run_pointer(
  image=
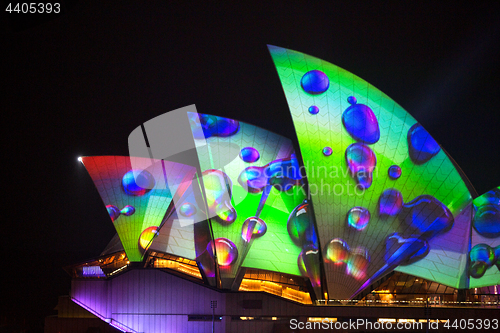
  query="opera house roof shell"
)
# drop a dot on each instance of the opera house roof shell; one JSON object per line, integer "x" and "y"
{"x": 368, "y": 192}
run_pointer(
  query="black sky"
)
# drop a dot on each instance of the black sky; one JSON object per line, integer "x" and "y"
{"x": 78, "y": 83}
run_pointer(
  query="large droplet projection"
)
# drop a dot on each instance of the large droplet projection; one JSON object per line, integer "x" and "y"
{"x": 361, "y": 162}
{"x": 315, "y": 82}
{"x": 300, "y": 224}
{"x": 421, "y": 146}
{"x": 404, "y": 251}
{"x": 358, "y": 262}
{"x": 308, "y": 264}
{"x": 127, "y": 210}
{"x": 215, "y": 126}
{"x": 394, "y": 172}
{"x": 426, "y": 217}
{"x": 227, "y": 253}
{"x": 487, "y": 214}
{"x": 358, "y": 218}
{"x": 337, "y": 251}
{"x": 390, "y": 202}
{"x": 360, "y": 122}
{"x": 253, "y": 227}
{"x": 218, "y": 189}
{"x": 482, "y": 257}
{"x": 282, "y": 174}
{"x": 146, "y": 237}
{"x": 187, "y": 209}
{"x": 249, "y": 154}
{"x": 113, "y": 212}
{"x": 138, "y": 182}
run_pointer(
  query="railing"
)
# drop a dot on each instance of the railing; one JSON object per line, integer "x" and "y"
{"x": 397, "y": 303}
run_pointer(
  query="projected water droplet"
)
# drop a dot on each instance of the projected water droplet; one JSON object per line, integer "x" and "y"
{"x": 128, "y": 210}
{"x": 477, "y": 269}
{"x": 227, "y": 253}
{"x": 137, "y": 182}
{"x": 358, "y": 217}
{"x": 404, "y": 251}
{"x": 253, "y": 179}
{"x": 358, "y": 262}
{"x": 337, "y": 251}
{"x": 421, "y": 146}
{"x": 253, "y": 227}
{"x": 327, "y": 151}
{"x": 315, "y": 82}
{"x": 187, "y": 209}
{"x": 426, "y": 216}
{"x": 352, "y": 100}
{"x": 313, "y": 109}
{"x": 249, "y": 154}
{"x": 496, "y": 251}
{"x": 484, "y": 253}
{"x": 218, "y": 189}
{"x": 361, "y": 123}
{"x": 214, "y": 126}
{"x": 283, "y": 174}
{"x": 361, "y": 162}
{"x": 308, "y": 262}
{"x": 390, "y": 202}
{"x": 146, "y": 237}
{"x": 113, "y": 212}
{"x": 487, "y": 216}
{"x": 394, "y": 171}
{"x": 300, "y": 225}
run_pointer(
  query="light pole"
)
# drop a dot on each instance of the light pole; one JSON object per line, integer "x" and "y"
{"x": 213, "y": 305}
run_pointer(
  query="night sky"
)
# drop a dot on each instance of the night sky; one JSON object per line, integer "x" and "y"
{"x": 79, "y": 82}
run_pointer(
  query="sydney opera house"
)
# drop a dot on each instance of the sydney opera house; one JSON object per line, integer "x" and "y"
{"x": 225, "y": 226}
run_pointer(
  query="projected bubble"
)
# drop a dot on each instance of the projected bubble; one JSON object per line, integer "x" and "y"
{"x": 360, "y": 122}
{"x": 358, "y": 217}
{"x": 253, "y": 179}
{"x": 308, "y": 264}
{"x": 249, "y": 155}
{"x": 477, "y": 269}
{"x": 253, "y": 227}
{"x": 187, "y": 209}
{"x": 146, "y": 237}
{"x": 282, "y": 174}
{"x": 484, "y": 253}
{"x": 327, "y": 151}
{"x": 313, "y": 109}
{"x": 218, "y": 189}
{"x": 315, "y": 82}
{"x": 404, "y": 251}
{"x": 137, "y": 182}
{"x": 216, "y": 126}
{"x": 227, "y": 253}
{"x": 128, "y": 210}
{"x": 358, "y": 262}
{"x": 427, "y": 216}
{"x": 299, "y": 222}
{"x": 361, "y": 162}
{"x": 113, "y": 212}
{"x": 337, "y": 251}
{"x": 487, "y": 217}
{"x": 394, "y": 172}
{"x": 390, "y": 202}
{"x": 421, "y": 146}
